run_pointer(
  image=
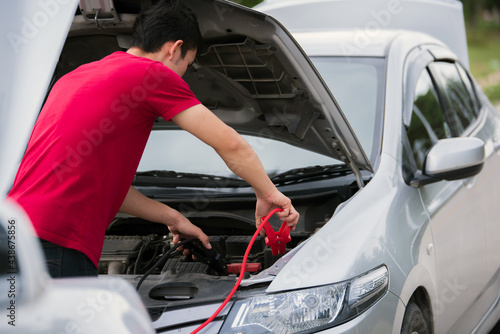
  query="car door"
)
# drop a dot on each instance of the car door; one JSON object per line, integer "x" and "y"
{"x": 445, "y": 106}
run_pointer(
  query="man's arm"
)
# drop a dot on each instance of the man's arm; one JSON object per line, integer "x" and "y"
{"x": 240, "y": 157}
{"x": 141, "y": 206}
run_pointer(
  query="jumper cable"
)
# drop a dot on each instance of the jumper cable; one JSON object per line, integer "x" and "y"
{"x": 276, "y": 240}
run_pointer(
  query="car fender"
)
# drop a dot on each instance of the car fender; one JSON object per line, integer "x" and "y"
{"x": 360, "y": 237}
{"x": 420, "y": 276}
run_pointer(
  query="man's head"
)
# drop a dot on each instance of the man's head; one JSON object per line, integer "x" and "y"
{"x": 170, "y": 25}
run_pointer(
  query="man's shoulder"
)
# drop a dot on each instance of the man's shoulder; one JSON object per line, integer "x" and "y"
{"x": 139, "y": 65}
{"x": 118, "y": 65}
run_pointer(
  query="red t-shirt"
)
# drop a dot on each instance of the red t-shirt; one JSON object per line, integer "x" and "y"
{"x": 86, "y": 145}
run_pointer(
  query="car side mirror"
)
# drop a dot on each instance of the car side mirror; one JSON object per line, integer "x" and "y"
{"x": 451, "y": 159}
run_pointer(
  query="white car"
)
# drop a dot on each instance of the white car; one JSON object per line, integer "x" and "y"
{"x": 30, "y": 302}
{"x": 368, "y": 119}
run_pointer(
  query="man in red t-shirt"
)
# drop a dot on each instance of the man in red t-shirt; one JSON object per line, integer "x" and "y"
{"x": 87, "y": 142}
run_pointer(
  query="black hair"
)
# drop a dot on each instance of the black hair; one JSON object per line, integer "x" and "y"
{"x": 164, "y": 22}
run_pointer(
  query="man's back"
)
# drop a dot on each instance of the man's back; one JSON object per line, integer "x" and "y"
{"x": 87, "y": 143}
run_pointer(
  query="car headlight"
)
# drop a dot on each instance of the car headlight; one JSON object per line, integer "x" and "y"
{"x": 307, "y": 310}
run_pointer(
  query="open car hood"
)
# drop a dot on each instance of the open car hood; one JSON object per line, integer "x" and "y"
{"x": 33, "y": 36}
{"x": 363, "y": 16}
{"x": 254, "y": 76}
{"x": 251, "y": 73}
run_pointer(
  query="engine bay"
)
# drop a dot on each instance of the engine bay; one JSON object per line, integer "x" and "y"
{"x": 144, "y": 254}
{"x": 132, "y": 246}
{"x": 136, "y": 254}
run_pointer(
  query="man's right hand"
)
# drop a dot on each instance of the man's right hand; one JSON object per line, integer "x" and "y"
{"x": 273, "y": 201}
{"x": 241, "y": 159}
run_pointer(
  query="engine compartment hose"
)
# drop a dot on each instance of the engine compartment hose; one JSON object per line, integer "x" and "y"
{"x": 242, "y": 272}
{"x": 163, "y": 258}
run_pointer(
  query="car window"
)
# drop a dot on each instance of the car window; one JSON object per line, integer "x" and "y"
{"x": 460, "y": 108}
{"x": 470, "y": 88}
{"x": 428, "y": 123}
{"x": 358, "y": 83}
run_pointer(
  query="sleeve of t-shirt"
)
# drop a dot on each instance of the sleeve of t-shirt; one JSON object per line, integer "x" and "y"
{"x": 167, "y": 94}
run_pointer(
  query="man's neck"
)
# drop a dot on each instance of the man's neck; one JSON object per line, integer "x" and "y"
{"x": 140, "y": 53}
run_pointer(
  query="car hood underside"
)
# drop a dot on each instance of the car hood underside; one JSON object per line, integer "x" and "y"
{"x": 251, "y": 73}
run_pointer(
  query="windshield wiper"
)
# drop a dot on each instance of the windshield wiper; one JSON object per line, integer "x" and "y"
{"x": 165, "y": 178}
{"x": 312, "y": 173}
{"x": 171, "y": 179}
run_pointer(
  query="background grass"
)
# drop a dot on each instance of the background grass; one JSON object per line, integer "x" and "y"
{"x": 484, "y": 57}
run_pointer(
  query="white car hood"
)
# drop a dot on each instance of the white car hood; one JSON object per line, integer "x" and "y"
{"x": 441, "y": 19}
{"x": 293, "y": 104}
{"x": 256, "y": 78}
{"x": 33, "y": 33}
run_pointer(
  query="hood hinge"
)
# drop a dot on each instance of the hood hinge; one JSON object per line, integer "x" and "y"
{"x": 99, "y": 11}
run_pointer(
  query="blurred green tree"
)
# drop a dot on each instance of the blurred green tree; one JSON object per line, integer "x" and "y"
{"x": 474, "y": 8}
{"x": 490, "y": 4}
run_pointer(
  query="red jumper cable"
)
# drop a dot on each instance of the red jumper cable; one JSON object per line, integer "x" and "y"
{"x": 276, "y": 240}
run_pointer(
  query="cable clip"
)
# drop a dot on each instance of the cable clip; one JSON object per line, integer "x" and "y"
{"x": 276, "y": 240}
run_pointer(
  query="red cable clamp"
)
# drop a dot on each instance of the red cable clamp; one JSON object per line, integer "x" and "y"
{"x": 276, "y": 240}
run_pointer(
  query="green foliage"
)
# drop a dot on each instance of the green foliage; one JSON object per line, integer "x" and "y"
{"x": 484, "y": 55}
{"x": 483, "y": 38}
{"x": 490, "y": 4}
{"x": 493, "y": 93}
{"x": 469, "y": 10}
{"x": 474, "y": 8}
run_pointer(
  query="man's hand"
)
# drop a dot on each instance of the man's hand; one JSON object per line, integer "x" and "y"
{"x": 182, "y": 228}
{"x": 273, "y": 201}
{"x": 240, "y": 158}
{"x": 143, "y": 207}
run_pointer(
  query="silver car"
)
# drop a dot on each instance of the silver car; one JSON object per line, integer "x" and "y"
{"x": 368, "y": 119}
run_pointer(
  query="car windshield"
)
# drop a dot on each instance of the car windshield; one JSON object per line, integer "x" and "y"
{"x": 180, "y": 151}
{"x": 357, "y": 84}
